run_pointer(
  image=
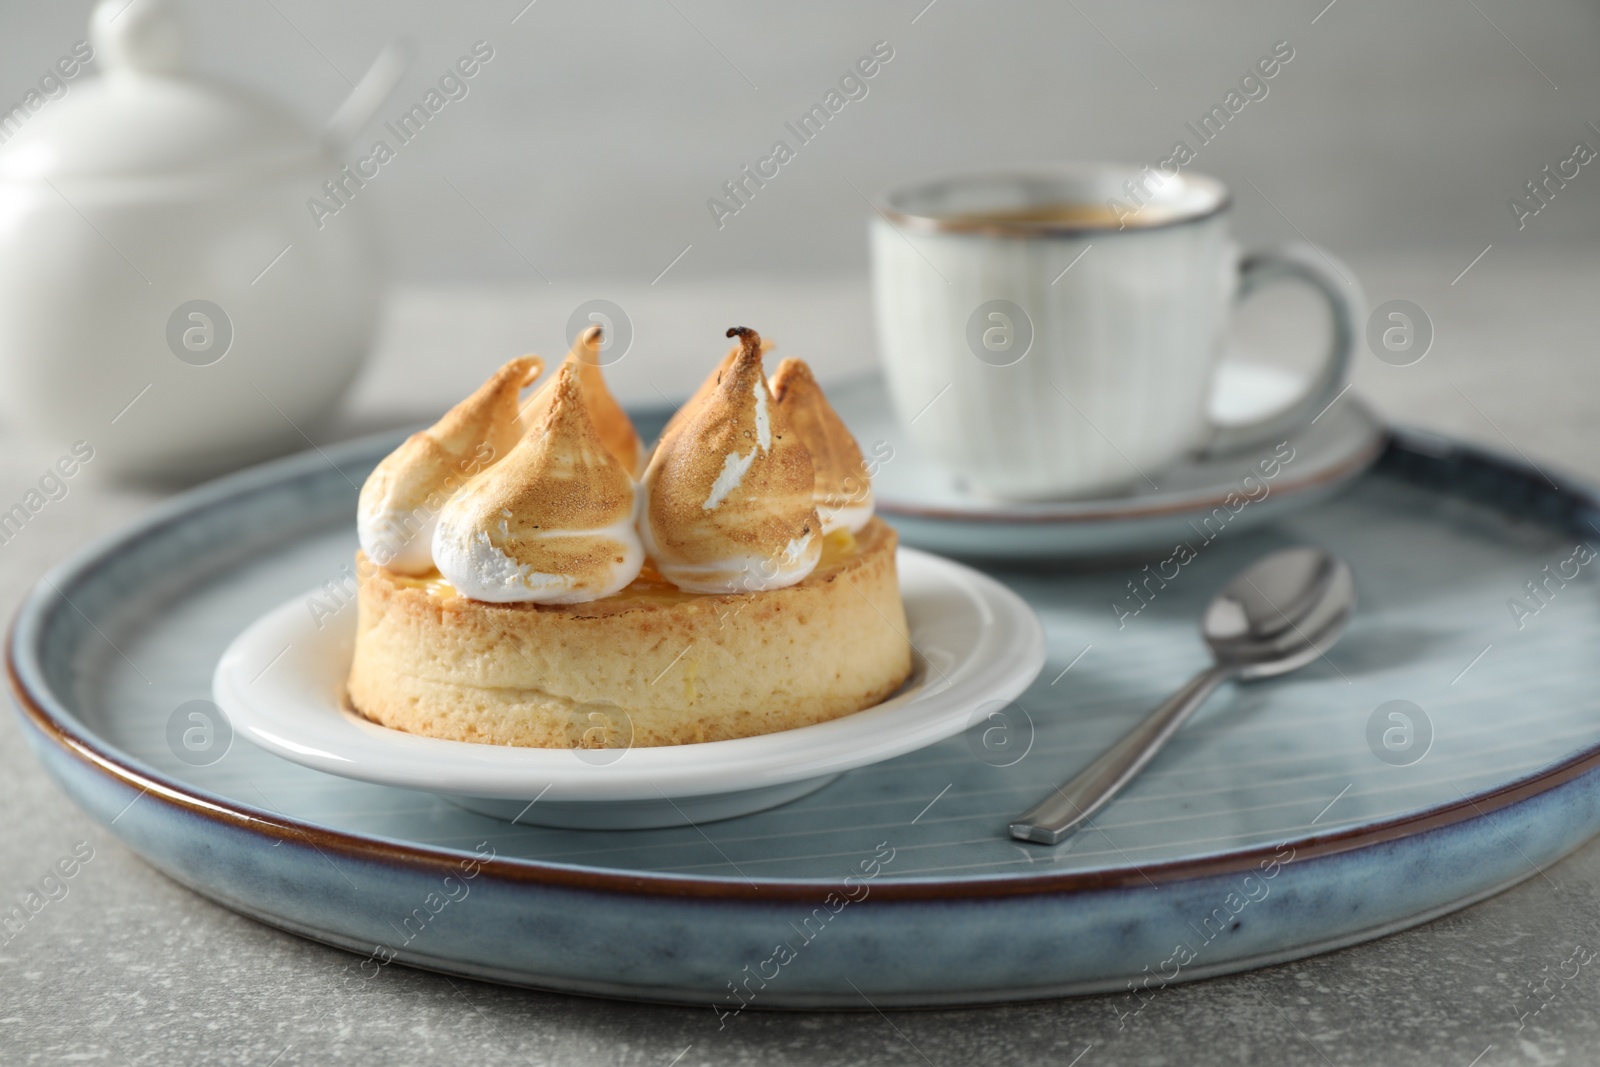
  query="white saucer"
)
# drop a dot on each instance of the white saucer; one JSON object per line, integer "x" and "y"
{"x": 978, "y": 645}
{"x": 931, "y": 510}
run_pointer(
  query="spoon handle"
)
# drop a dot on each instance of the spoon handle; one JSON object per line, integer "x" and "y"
{"x": 1055, "y": 817}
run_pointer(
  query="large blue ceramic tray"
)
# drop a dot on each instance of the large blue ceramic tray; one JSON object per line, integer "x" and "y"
{"x": 1289, "y": 818}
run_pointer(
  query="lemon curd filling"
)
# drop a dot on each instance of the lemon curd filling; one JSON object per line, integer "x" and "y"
{"x": 649, "y": 586}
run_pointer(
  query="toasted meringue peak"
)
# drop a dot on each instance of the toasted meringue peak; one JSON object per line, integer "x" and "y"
{"x": 400, "y": 501}
{"x": 690, "y": 406}
{"x": 843, "y": 486}
{"x": 551, "y": 523}
{"x": 728, "y": 496}
{"x": 610, "y": 421}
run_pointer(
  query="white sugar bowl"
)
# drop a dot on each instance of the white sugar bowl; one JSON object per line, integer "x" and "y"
{"x": 165, "y": 294}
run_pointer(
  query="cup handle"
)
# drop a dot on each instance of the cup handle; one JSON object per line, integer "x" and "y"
{"x": 1302, "y": 263}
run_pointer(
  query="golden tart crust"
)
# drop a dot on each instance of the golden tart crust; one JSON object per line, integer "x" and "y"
{"x": 647, "y": 666}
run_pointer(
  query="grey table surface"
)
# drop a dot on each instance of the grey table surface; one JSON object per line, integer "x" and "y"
{"x": 131, "y": 968}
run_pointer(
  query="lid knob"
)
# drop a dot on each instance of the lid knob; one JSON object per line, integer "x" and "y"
{"x": 145, "y": 36}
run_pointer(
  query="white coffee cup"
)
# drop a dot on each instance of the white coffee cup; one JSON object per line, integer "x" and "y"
{"x": 1055, "y": 332}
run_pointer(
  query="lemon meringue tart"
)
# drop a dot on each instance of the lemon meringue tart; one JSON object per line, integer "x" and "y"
{"x": 533, "y": 576}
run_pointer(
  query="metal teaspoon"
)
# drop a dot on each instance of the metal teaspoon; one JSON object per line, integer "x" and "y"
{"x": 1279, "y": 614}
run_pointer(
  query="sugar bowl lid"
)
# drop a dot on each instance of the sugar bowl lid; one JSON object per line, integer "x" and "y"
{"x": 150, "y": 115}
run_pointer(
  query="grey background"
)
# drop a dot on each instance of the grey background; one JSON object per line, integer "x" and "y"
{"x": 597, "y": 133}
{"x": 1395, "y": 136}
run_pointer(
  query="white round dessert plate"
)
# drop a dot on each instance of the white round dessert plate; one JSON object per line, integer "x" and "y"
{"x": 977, "y": 645}
{"x": 1196, "y": 497}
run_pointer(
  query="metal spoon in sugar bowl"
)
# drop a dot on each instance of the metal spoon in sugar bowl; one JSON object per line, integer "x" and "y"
{"x": 1275, "y": 616}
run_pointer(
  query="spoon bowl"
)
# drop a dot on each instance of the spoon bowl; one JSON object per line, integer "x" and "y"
{"x": 1280, "y": 613}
